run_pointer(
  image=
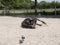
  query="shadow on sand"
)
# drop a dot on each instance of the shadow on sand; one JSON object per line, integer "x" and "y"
{"x": 43, "y": 16}
{"x": 31, "y": 15}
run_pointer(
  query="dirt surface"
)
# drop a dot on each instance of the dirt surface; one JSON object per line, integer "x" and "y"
{"x": 11, "y": 32}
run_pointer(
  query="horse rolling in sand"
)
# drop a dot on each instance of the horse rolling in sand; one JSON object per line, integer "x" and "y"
{"x": 31, "y": 23}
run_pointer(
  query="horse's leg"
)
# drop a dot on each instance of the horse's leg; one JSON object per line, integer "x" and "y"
{"x": 39, "y": 24}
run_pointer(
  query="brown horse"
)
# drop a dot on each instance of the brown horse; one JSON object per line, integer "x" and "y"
{"x": 31, "y": 23}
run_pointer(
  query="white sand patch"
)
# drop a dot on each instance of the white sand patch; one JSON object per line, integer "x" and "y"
{"x": 11, "y": 32}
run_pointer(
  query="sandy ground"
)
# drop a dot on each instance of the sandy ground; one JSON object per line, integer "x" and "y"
{"x": 11, "y": 32}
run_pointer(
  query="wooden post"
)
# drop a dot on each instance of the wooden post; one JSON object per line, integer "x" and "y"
{"x": 55, "y": 7}
{"x": 35, "y": 7}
